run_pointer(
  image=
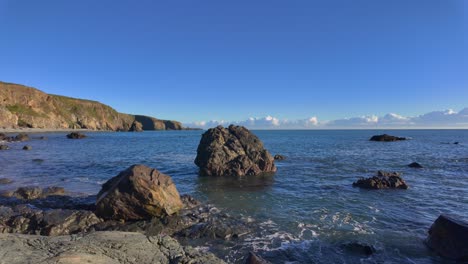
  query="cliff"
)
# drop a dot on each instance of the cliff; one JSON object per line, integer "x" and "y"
{"x": 22, "y": 106}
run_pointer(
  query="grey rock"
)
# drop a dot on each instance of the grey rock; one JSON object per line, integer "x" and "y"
{"x": 383, "y": 180}
{"x": 232, "y": 151}
{"x": 99, "y": 247}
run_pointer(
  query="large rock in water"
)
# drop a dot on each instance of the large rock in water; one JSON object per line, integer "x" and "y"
{"x": 137, "y": 193}
{"x": 386, "y": 137}
{"x": 449, "y": 238}
{"x": 232, "y": 151}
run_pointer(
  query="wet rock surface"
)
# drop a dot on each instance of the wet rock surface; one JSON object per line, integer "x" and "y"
{"x": 27, "y": 147}
{"x": 99, "y": 247}
{"x": 415, "y": 165}
{"x": 232, "y": 151}
{"x": 4, "y": 147}
{"x": 359, "y": 248}
{"x": 30, "y": 193}
{"x": 383, "y": 180}
{"x": 252, "y": 258}
{"x": 279, "y": 157}
{"x": 386, "y": 138}
{"x": 449, "y": 238}
{"x": 76, "y": 135}
{"x": 138, "y": 193}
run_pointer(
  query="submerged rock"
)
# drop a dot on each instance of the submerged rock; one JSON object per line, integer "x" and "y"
{"x": 386, "y": 137}
{"x": 27, "y": 147}
{"x": 138, "y": 192}
{"x": 5, "y": 181}
{"x": 383, "y": 180}
{"x": 415, "y": 165}
{"x": 76, "y": 135}
{"x": 359, "y": 248}
{"x": 21, "y": 137}
{"x": 232, "y": 151}
{"x": 449, "y": 238}
{"x": 100, "y": 247}
{"x": 4, "y": 147}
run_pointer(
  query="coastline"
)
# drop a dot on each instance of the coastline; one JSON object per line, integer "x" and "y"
{"x": 45, "y": 130}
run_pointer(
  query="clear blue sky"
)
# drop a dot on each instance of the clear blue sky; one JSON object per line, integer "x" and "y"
{"x": 201, "y": 60}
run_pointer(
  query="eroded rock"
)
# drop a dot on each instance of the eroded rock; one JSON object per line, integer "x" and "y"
{"x": 137, "y": 193}
{"x": 383, "y": 180}
{"x": 232, "y": 151}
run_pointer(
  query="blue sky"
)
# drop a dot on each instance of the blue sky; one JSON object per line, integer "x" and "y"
{"x": 230, "y": 60}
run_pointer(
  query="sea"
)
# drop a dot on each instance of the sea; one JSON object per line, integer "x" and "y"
{"x": 306, "y": 212}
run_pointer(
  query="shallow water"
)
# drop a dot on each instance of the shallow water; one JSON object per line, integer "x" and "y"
{"x": 307, "y": 210}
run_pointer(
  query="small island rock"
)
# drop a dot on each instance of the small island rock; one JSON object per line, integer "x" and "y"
{"x": 76, "y": 135}
{"x": 383, "y": 180}
{"x": 232, "y": 151}
{"x": 279, "y": 157}
{"x": 449, "y": 238}
{"x": 415, "y": 165}
{"x": 138, "y": 193}
{"x": 27, "y": 147}
{"x": 386, "y": 138}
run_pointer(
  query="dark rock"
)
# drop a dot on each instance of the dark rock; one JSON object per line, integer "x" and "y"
{"x": 359, "y": 248}
{"x": 138, "y": 193}
{"x": 449, "y": 238}
{"x": 38, "y": 160}
{"x": 136, "y": 127}
{"x": 383, "y": 180}
{"x": 42, "y": 138}
{"x": 279, "y": 157}
{"x": 27, "y": 147}
{"x": 25, "y": 220}
{"x": 456, "y": 143}
{"x": 4, "y": 147}
{"x": 415, "y": 165}
{"x": 386, "y": 137}
{"x": 3, "y": 136}
{"x": 252, "y": 258}
{"x": 5, "y": 181}
{"x": 232, "y": 151}
{"x": 21, "y": 137}
{"x": 30, "y": 193}
{"x": 76, "y": 135}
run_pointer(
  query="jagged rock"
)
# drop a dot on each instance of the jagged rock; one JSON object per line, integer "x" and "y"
{"x": 232, "y": 151}
{"x": 136, "y": 127}
{"x": 252, "y": 258}
{"x": 29, "y": 193}
{"x": 27, "y": 147}
{"x": 100, "y": 247}
{"x": 415, "y": 165}
{"x": 138, "y": 192}
{"x": 383, "y": 180}
{"x": 76, "y": 135}
{"x": 449, "y": 238}
{"x": 359, "y": 248}
{"x": 5, "y": 181}
{"x": 279, "y": 157}
{"x": 386, "y": 137}
{"x": 4, "y": 147}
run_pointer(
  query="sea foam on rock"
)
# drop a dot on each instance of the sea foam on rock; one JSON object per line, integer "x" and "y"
{"x": 232, "y": 151}
{"x": 138, "y": 193}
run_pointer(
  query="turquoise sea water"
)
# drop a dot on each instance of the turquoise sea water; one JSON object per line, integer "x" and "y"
{"x": 307, "y": 210}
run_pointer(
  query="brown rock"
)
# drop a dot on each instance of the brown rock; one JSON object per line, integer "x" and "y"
{"x": 137, "y": 193}
{"x": 449, "y": 238}
{"x": 279, "y": 157}
{"x": 4, "y": 147}
{"x": 383, "y": 180}
{"x": 252, "y": 258}
{"x": 30, "y": 193}
{"x": 5, "y": 181}
{"x": 232, "y": 151}
{"x": 136, "y": 127}
{"x": 21, "y": 137}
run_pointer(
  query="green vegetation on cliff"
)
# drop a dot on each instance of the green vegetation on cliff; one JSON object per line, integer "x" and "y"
{"x": 22, "y": 106}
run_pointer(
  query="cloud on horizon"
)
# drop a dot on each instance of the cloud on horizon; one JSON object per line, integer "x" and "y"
{"x": 435, "y": 119}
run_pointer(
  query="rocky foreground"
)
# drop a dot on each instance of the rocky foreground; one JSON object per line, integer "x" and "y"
{"x": 99, "y": 247}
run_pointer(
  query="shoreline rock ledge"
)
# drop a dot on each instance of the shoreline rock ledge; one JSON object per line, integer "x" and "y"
{"x": 232, "y": 151}
{"x": 138, "y": 193}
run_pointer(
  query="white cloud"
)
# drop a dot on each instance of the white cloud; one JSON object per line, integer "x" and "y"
{"x": 435, "y": 119}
